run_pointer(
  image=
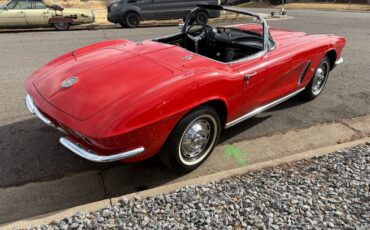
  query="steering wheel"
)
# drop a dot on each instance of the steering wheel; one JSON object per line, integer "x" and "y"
{"x": 198, "y": 35}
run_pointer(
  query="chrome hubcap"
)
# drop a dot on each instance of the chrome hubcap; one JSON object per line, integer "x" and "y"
{"x": 195, "y": 139}
{"x": 320, "y": 78}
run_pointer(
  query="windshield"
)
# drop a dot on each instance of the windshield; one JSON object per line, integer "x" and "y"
{"x": 16, "y": 3}
{"x": 236, "y": 24}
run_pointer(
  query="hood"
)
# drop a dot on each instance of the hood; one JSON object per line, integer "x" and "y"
{"x": 277, "y": 34}
{"x": 104, "y": 75}
{"x": 293, "y": 40}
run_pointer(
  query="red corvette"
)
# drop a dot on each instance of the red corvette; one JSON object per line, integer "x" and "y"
{"x": 125, "y": 100}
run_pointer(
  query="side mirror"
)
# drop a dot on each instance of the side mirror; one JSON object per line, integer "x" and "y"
{"x": 181, "y": 26}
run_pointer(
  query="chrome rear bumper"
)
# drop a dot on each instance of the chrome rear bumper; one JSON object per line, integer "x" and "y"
{"x": 76, "y": 147}
{"x": 33, "y": 109}
{"x": 91, "y": 156}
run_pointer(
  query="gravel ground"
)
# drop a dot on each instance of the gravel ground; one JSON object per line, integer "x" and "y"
{"x": 330, "y": 191}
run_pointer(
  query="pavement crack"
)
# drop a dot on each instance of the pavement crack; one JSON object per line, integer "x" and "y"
{"x": 100, "y": 173}
{"x": 358, "y": 132}
{"x": 105, "y": 35}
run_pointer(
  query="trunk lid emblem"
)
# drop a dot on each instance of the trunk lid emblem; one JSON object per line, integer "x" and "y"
{"x": 69, "y": 82}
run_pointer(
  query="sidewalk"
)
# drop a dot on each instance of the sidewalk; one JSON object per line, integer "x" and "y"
{"x": 312, "y": 6}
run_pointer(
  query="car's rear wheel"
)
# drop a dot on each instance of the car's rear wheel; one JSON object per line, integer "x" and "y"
{"x": 192, "y": 140}
{"x": 62, "y": 26}
{"x": 131, "y": 20}
{"x": 318, "y": 81}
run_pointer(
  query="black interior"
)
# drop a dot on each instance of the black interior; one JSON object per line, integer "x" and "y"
{"x": 223, "y": 44}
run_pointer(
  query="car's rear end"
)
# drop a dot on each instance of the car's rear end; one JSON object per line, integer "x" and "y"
{"x": 86, "y": 95}
{"x": 116, "y": 10}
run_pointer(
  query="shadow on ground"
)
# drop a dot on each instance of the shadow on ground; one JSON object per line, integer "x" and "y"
{"x": 30, "y": 152}
{"x": 254, "y": 121}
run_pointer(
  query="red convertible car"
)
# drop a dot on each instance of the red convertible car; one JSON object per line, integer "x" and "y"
{"x": 127, "y": 101}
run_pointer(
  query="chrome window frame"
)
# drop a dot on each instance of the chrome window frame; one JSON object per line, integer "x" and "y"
{"x": 265, "y": 27}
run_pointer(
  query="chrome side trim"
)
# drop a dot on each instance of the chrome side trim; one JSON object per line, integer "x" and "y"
{"x": 91, "y": 156}
{"x": 339, "y": 61}
{"x": 261, "y": 109}
{"x": 33, "y": 109}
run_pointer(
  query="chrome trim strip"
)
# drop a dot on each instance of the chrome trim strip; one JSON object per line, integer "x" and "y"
{"x": 304, "y": 71}
{"x": 261, "y": 109}
{"x": 96, "y": 158}
{"x": 339, "y": 61}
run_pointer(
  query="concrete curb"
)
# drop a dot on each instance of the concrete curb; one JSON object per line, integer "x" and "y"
{"x": 47, "y": 218}
{"x": 239, "y": 171}
{"x": 333, "y": 10}
{"x": 287, "y": 8}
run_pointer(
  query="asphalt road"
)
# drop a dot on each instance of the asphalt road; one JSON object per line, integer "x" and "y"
{"x": 29, "y": 151}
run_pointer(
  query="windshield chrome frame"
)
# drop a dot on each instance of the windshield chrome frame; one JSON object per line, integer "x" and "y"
{"x": 266, "y": 46}
{"x": 265, "y": 28}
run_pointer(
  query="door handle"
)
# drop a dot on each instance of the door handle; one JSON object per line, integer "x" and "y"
{"x": 249, "y": 75}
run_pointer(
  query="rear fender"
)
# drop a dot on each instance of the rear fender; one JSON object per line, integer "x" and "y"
{"x": 173, "y": 98}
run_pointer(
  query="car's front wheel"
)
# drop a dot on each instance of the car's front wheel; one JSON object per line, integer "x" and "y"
{"x": 192, "y": 140}
{"x": 131, "y": 20}
{"x": 61, "y": 26}
{"x": 318, "y": 81}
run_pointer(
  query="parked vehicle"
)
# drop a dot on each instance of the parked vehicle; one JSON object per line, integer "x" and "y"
{"x": 125, "y": 100}
{"x": 37, "y": 13}
{"x": 129, "y": 13}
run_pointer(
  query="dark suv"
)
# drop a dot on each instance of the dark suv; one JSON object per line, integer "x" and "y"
{"x": 129, "y": 13}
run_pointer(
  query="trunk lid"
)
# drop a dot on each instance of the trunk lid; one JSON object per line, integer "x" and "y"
{"x": 103, "y": 75}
